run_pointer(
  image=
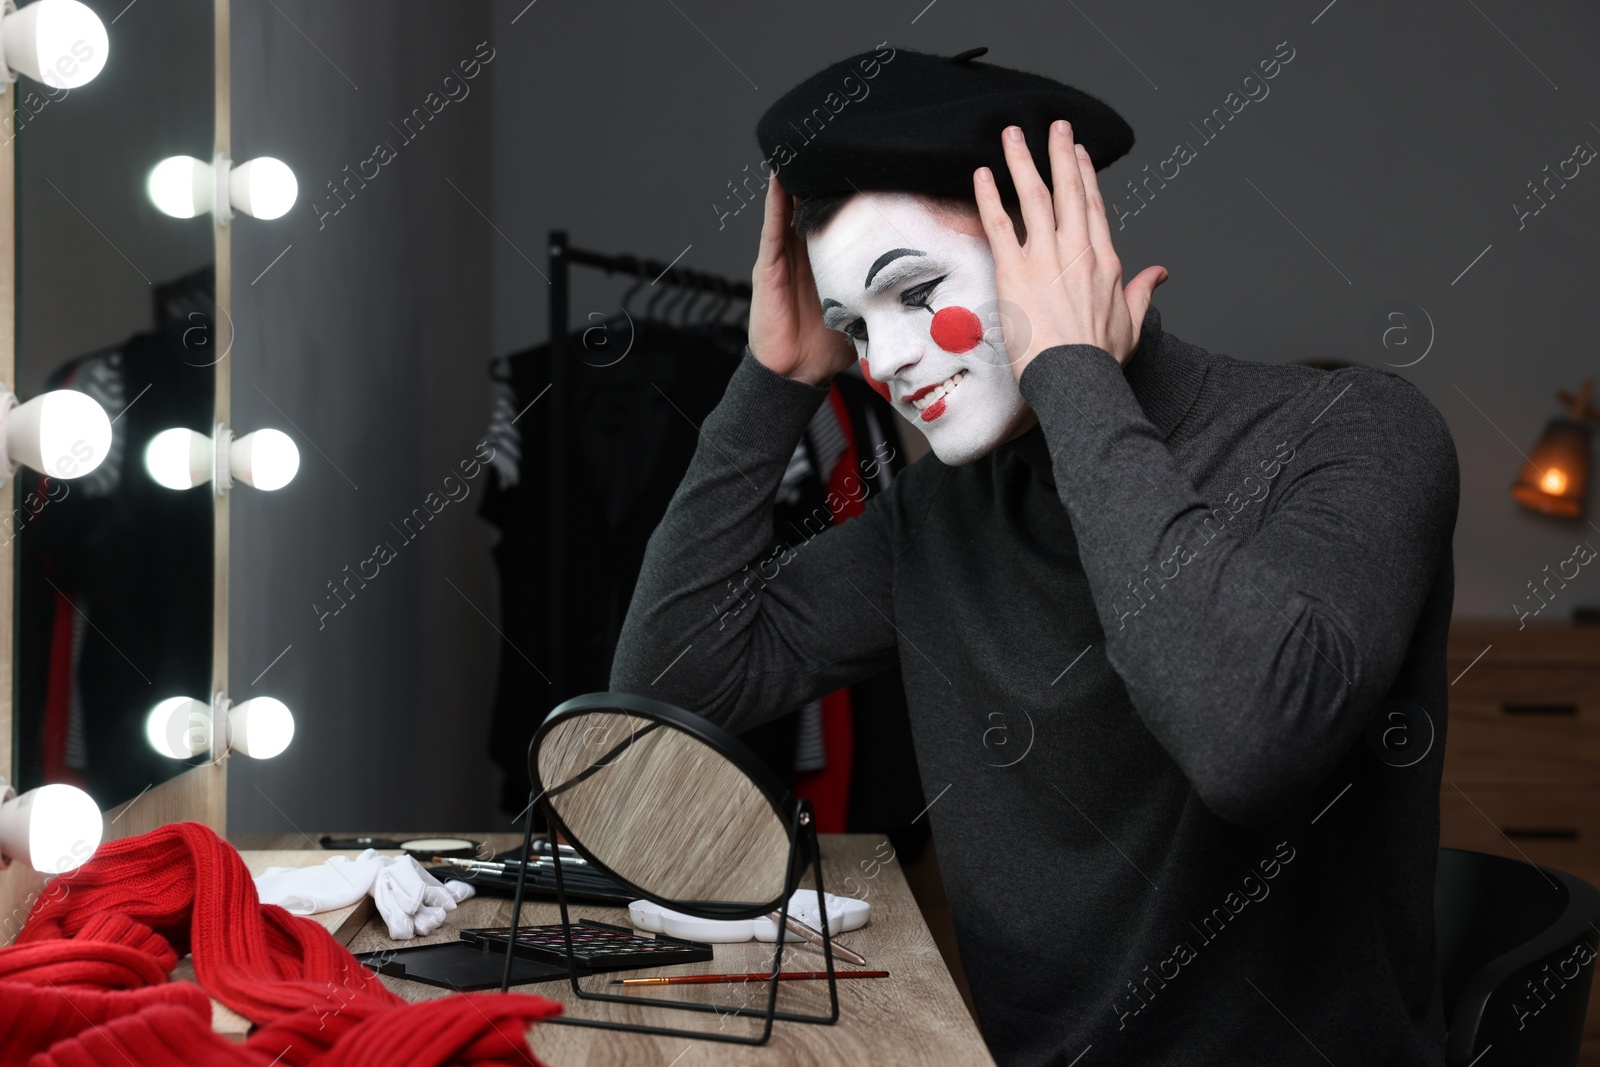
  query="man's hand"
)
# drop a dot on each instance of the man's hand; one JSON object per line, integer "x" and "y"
{"x": 1065, "y": 279}
{"x": 786, "y": 331}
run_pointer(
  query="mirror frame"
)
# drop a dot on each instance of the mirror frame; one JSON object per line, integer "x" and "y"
{"x": 804, "y": 851}
{"x": 201, "y": 793}
{"x": 725, "y": 744}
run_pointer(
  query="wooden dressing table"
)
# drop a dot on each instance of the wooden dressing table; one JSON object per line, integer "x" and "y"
{"x": 913, "y": 1018}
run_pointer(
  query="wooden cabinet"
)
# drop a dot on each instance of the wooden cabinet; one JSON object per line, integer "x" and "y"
{"x": 1522, "y": 753}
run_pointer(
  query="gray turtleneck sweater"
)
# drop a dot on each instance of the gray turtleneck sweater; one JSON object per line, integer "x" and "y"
{"x": 1175, "y": 661}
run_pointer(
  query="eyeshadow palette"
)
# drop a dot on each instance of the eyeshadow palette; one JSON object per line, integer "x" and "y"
{"x": 459, "y": 966}
{"x": 596, "y": 946}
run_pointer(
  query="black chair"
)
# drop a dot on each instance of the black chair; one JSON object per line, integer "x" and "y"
{"x": 1517, "y": 946}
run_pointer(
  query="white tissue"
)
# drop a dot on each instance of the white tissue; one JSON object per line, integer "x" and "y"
{"x": 844, "y": 914}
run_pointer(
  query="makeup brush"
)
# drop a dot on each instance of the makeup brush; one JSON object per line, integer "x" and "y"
{"x": 582, "y": 879}
{"x": 541, "y": 863}
{"x": 695, "y": 979}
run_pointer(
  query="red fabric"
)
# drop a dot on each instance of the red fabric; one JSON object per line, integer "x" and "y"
{"x": 846, "y": 489}
{"x": 88, "y": 981}
{"x": 58, "y": 696}
{"x": 829, "y": 789}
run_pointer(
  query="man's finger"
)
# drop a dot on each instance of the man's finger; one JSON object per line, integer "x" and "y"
{"x": 1072, "y": 227}
{"x": 1038, "y": 212}
{"x": 996, "y": 223}
{"x": 1139, "y": 294}
{"x": 773, "y": 225}
{"x": 1099, "y": 231}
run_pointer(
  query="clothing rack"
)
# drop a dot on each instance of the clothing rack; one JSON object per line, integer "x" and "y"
{"x": 562, "y": 257}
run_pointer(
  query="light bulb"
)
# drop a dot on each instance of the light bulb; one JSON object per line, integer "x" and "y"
{"x": 182, "y": 727}
{"x": 179, "y": 458}
{"x": 182, "y": 459}
{"x": 266, "y": 459}
{"x": 179, "y": 727}
{"x": 261, "y": 727}
{"x": 182, "y": 186}
{"x": 62, "y": 433}
{"x": 59, "y": 42}
{"x": 56, "y": 828}
{"x": 1553, "y": 481}
{"x": 262, "y": 187}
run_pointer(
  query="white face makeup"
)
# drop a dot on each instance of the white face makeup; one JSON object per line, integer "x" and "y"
{"x": 917, "y": 295}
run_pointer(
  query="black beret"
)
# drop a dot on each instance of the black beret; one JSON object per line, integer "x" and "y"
{"x": 914, "y": 122}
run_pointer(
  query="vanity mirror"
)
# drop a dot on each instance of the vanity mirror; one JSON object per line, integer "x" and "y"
{"x": 115, "y": 299}
{"x": 682, "y": 813}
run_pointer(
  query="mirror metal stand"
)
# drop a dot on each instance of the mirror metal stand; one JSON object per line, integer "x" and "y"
{"x": 802, "y": 836}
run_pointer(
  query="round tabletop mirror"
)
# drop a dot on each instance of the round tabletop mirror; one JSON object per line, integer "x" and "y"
{"x": 668, "y": 803}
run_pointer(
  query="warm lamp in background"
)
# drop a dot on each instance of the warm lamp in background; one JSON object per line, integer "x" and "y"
{"x": 1555, "y": 480}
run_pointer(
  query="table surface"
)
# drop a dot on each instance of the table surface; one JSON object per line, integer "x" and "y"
{"x": 913, "y": 1017}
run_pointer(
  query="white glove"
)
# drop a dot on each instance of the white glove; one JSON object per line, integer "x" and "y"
{"x": 413, "y": 902}
{"x": 338, "y": 883}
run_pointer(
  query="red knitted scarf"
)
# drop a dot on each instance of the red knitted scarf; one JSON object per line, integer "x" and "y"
{"x": 87, "y": 983}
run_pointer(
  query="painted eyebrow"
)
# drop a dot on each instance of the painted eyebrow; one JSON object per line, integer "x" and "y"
{"x": 905, "y": 269}
{"x": 889, "y": 278}
{"x": 886, "y": 259}
{"x": 833, "y": 313}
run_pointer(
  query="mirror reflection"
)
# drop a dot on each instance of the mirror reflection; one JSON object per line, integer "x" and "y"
{"x": 114, "y": 301}
{"x": 663, "y": 809}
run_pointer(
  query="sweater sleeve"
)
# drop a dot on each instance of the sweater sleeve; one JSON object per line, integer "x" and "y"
{"x": 731, "y": 624}
{"x": 1255, "y": 661}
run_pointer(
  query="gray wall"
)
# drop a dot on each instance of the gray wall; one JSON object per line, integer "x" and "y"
{"x": 367, "y": 342}
{"x": 1381, "y": 164}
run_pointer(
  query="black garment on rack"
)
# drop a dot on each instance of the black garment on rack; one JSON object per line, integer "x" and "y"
{"x": 632, "y": 428}
{"x": 127, "y": 551}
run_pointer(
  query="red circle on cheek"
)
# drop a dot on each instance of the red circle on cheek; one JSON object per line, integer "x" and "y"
{"x": 955, "y": 329}
{"x": 883, "y": 390}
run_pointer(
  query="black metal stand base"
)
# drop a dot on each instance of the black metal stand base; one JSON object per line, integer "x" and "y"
{"x": 803, "y": 836}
